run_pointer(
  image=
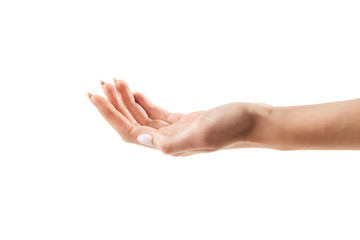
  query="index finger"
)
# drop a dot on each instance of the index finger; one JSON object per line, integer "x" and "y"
{"x": 120, "y": 123}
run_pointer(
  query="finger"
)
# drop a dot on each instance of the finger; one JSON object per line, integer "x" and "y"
{"x": 155, "y": 139}
{"x": 147, "y": 137}
{"x": 127, "y": 130}
{"x": 155, "y": 112}
{"x": 135, "y": 109}
{"x": 113, "y": 97}
{"x": 120, "y": 123}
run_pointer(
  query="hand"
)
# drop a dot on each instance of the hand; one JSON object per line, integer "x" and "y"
{"x": 136, "y": 119}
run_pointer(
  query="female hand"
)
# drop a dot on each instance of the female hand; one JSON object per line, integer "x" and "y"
{"x": 139, "y": 121}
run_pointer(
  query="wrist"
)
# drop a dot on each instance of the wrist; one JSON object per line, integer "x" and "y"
{"x": 268, "y": 125}
{"x": 284, "y": 128}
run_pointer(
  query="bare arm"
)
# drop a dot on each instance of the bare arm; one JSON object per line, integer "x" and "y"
{"x": 334, "y": 125}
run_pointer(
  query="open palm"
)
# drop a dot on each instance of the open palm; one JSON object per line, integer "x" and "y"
{"x": 133, "y": 115}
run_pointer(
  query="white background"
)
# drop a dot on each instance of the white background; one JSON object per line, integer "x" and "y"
{"x": 66, "y": 174}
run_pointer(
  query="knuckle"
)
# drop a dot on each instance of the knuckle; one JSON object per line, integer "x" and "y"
{"x": 111, "y": 113}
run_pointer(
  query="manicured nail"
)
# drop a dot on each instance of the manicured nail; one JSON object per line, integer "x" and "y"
{"x": 102, "y": 82}
{"x": 145, "y": 139}
{"x": 89, "y": 95}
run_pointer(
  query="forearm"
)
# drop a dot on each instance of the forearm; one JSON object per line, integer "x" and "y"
{"x": 334, "y": 125}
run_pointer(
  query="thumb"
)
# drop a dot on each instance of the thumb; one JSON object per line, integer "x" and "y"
{"x": 151, "y": 139}
{"x": 145, "y": 139}
{"x": 166, "y": 144}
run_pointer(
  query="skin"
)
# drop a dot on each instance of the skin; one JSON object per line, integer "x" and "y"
{"x": 234, "y": 125}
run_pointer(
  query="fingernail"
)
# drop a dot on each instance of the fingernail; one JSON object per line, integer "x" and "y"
{"x": 145, "y": 139}
{"x": 115, "y": 80}
{"x": 89, "y": 95}
{"x": 102, "y": 82}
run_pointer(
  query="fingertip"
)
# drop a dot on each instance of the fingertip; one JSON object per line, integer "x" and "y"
{"x": 122, "y": 84}
{"x": 143, "y": 100}
{"x": 124, "y": 89}
{"x": 96, "y": 99}
{"x": 107, "y": 87}
{"x": 151, "y": 139}
{"x": 145, "y": 139}
{"x": 138, "y": 95}
{"x": 119, "y": 85}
